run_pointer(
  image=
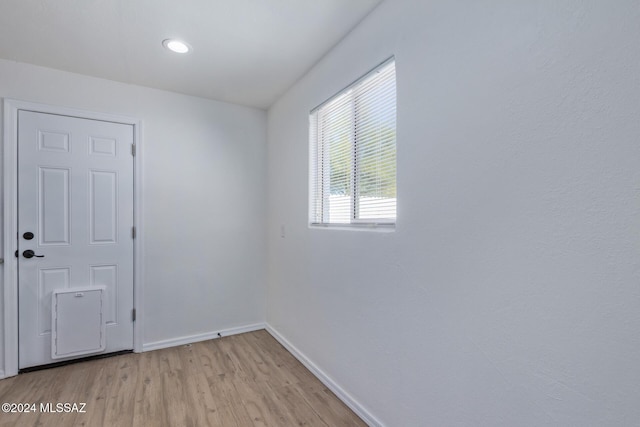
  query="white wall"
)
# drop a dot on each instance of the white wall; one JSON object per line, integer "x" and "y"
{"x": 510, "y": 292}
{"x": 204, "y": 197}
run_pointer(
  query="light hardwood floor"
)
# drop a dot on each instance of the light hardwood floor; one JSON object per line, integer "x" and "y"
{"x": 240, "y": 380}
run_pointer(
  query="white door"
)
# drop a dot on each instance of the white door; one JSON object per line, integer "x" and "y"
{"x": 75, "y": 212}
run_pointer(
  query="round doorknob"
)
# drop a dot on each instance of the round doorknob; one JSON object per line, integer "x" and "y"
{"x": 30, "y": 254}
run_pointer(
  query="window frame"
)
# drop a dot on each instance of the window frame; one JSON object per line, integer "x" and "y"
{"x": 317, "y": 159}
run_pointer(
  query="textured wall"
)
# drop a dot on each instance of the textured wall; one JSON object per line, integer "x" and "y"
{"x": 509, "y": 293}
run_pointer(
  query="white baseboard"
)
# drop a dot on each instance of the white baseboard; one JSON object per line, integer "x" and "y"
{"x": 173, "y": 342}
{"x": 348, "y": 400}
{"x": 2, "y": 374}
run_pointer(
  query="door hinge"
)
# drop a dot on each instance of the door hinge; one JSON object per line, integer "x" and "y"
{"x": 133, "y": 232}
{"x": 133, "y": 314}
{"x": 133, "y": 149}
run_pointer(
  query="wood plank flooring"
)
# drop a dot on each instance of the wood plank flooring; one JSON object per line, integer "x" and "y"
{"x": 241, "y": 380}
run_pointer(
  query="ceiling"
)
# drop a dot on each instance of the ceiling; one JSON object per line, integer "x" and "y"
{"x": 244, "y": 51}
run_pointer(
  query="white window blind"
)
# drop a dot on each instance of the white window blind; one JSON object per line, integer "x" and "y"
{"x": 353, "y": 153}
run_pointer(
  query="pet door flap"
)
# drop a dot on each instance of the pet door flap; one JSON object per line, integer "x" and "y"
{"x": 77, "y": 321}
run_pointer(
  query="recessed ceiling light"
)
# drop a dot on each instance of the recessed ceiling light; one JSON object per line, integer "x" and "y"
{"x": 176, "y": 46}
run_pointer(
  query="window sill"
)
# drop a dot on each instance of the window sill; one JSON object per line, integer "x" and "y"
{"x": 376, "y": 228}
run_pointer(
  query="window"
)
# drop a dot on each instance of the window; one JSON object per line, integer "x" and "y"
{"x": 353, "y": 153}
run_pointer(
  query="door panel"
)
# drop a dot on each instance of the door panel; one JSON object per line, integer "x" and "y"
{"x": 53, "y": 206}
{"x": 49, "y": 279}
{"x": 75, "y": 194}
{"x": 103, "y": 206}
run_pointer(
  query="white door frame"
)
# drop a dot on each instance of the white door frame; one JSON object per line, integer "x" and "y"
{"x": 10, "y": 216}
